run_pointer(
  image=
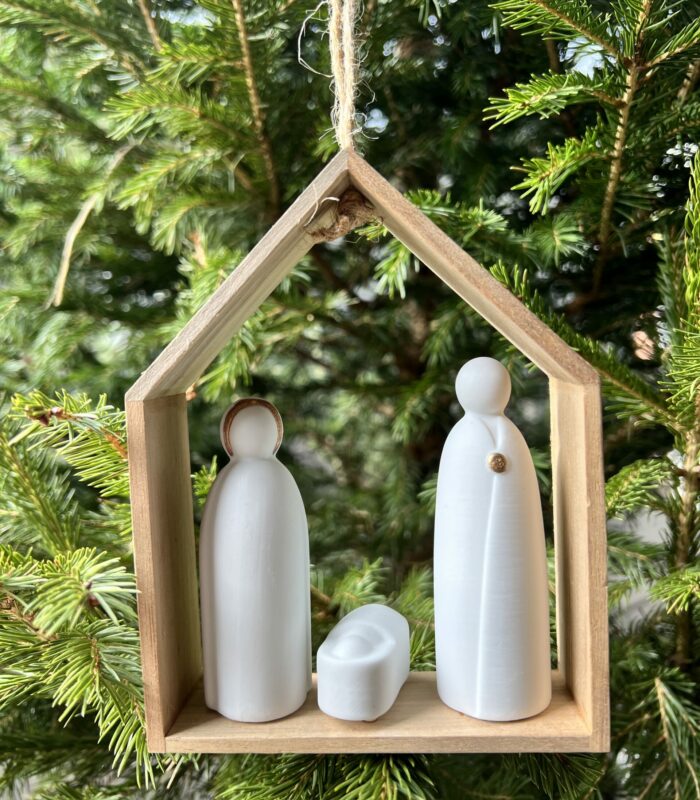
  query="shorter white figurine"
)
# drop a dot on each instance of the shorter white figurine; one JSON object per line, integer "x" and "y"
{"x": 363, "y": 664}
{"x": 254, "y": 575}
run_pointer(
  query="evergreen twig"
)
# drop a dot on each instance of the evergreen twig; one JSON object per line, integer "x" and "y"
{"x": 257, "y": 108}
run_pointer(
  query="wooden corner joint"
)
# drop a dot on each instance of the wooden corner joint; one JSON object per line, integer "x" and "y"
{"x": 353, "y": 209}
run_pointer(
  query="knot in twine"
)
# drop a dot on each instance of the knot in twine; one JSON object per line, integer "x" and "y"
{"x": 341, "y": 34}
{"x": 353, "y": 210}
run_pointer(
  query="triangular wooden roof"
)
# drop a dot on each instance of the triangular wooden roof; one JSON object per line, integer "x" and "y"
{"x": 290, "y": 238}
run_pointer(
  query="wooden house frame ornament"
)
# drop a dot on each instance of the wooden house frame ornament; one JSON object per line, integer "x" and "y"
{"x": 168, "y": 604}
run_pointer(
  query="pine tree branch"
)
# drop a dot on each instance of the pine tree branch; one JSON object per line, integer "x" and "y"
{"x": 321, "y": 597}
{"x": 48, "y": 19}
{"x": 689, "y": 82}
{"x": 615, "y": 175}
{"x": 664, "y": 57}
{"x": 76, "y": 226}
{"x": 607, "y": 365}
{"x": 553, "y": 56}
{"x": 653, "y": 778}
{"x": 86, "y": 209}
{"x": 685, "y": 39}
{"x": 90, "y": 437}
{"x": 10, "y": 608}
{"x": 55, "y": 526}
{"x": 239, "y": 174}
{"x": 150, "y": 25}
{"x": 684, "y": 545}
{"x": 656, "y": 405}
{"x": 256, "y": 107}
{"x": 35, "y": 91}
{"x": 556, "y": 11}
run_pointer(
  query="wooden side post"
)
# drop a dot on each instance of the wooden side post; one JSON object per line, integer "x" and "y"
{"x": 580, "y": 547}
{"x": 164, "y": 553}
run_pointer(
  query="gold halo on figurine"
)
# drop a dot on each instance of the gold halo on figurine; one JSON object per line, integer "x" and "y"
{"x": 236, "y": 408}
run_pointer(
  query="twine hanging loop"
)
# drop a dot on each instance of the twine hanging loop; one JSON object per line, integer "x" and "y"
{"x": 341, "y": 31}
{"x": 353, "y": 209}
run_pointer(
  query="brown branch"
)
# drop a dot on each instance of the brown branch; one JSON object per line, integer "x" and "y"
{"x": 60, "y": 413}
{"x": 113, "y": 440}
{"x": 239, "y": 174}
{"x": 555, "y": 66}
{"x": 615, "y": 174}
{"x": 553, "y": 56}
{"x": 608, "y": 99}
{"x": 304, "y": 354}
{"x": 150, "y": 25}
{"x": 683, "y": 555}
{"x": 689, "y": 81}
{"x": 654, "y": 777}
{"x": 670, "y": 54}
{"x": 76, "y": 226}
{"x": 256, "y": 107}
{"x": 10, "y": 607}
{"x": 322, "y": 598}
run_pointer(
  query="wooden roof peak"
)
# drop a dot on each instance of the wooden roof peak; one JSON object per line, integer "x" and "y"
{"x": 317, "y": 215}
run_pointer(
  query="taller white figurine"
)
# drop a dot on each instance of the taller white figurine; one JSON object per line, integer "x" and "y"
{"x": 254, "y": 575}
{"x": 491, "y": 593}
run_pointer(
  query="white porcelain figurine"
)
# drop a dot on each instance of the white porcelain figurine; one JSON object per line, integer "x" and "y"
{"x": 491, "y": 593}
{"x": 363, "y": 663}
{"x": 254, "y": 575}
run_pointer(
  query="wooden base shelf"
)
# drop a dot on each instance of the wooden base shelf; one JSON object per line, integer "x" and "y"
{"x": 418, "y": 723}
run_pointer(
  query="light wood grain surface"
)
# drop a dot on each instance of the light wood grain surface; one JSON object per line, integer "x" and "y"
{"x": 417, "y": 723}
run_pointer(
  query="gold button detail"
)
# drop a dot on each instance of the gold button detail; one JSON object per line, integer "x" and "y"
{"x": 497, "y": 462}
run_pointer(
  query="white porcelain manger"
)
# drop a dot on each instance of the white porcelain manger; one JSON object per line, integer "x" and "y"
{"x": 363, "y": 664}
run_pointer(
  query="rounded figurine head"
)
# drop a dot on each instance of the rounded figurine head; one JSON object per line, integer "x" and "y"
{"x": 251, "y": 427}
{"x": 483, "y": 386}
